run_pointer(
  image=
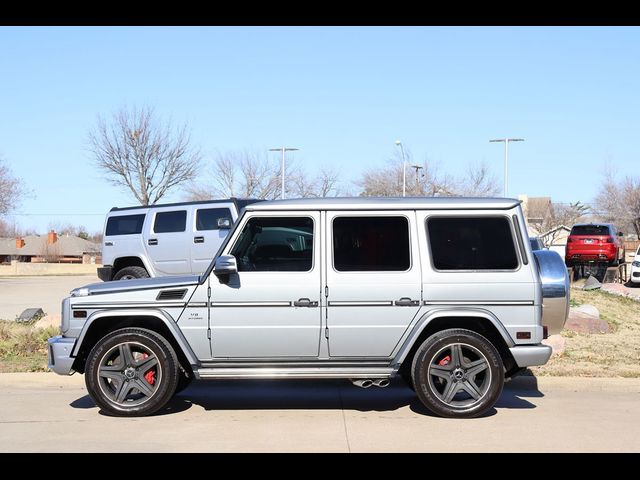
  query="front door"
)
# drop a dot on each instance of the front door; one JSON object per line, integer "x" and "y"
{"x": 271, "y": 307}
{"x": 373, "y": 279}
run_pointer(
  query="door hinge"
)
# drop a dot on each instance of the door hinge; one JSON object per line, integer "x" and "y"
{"x": 326, "y": 332}
{"x": 209, "y": 333}
{"x": 209, "y": 292}
{"x": 326, "y": 291}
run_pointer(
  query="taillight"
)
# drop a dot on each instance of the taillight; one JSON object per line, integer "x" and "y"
{"x": 609, "y": 239}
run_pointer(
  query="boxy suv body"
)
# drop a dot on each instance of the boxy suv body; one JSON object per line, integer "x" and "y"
{"x": 594, "y": 242}
{"x": 444, "y": 292}
{"x": 170, "y": 239}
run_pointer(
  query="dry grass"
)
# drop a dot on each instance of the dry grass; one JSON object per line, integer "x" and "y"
{"x": 23, "y": 347}
{"x": 614, "y": 354}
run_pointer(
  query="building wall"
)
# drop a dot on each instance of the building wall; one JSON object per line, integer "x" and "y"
{"x": 27, "y": 269}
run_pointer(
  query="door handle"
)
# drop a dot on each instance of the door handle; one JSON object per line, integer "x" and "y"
{"x": 198, "y": 239}
{"x": 406, "y": 302}
{"x": 152, "y": 241}
{"x": 304, "y": 302}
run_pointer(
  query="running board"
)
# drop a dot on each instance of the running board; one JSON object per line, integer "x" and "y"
{"x": 292, "y": 372}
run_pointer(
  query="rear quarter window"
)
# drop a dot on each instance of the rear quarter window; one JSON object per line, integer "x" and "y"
{"x": 124, "y": 225}
{"x": 472, "y": 243}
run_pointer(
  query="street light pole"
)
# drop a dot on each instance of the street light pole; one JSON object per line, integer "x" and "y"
{"x": 283, "y": 150}
{"x": 417, "y": 167}
{"x": 506, "y": 158}
{"x": 404, "y": 169}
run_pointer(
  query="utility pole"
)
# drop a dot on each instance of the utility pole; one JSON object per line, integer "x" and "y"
{"x": 418, "y": 168}
{"x": 283, "y": 150}
{"x": 506, "y": 158}
{"x": 404, "y": 169}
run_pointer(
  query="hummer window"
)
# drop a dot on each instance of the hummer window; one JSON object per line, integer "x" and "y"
{"x": 124, "y": 225}
{"x": 167, "y": 222}
{"x": 207, "y": 218}
{"x": 275, "y": 244}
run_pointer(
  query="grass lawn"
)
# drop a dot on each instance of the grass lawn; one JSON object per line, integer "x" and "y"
{"x": 614, "y": 354}
{"x": 23, "y": 347}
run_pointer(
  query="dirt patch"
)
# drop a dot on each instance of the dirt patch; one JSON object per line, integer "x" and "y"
{"x": 613, "y": 354}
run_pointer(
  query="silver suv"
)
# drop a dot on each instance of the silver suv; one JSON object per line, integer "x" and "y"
{"x": 169, "y": 239}
{"x": 443, "y": 292}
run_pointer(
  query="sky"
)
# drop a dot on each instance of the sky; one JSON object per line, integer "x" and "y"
{"x": 341, "y": 95}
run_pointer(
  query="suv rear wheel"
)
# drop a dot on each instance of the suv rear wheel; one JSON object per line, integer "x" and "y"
{"x": 131, "y": 372}
{"x": 458, "y": 373}
{"x": 129, "y": 273}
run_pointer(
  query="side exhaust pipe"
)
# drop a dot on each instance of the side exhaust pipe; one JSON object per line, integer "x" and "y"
{"x": 362, "y": 382}
{"x": 381, "y": 382}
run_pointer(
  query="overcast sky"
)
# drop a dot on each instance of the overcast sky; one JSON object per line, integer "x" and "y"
{"x": 341, "y": 95}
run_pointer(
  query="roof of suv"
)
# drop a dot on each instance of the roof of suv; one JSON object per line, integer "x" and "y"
{"x": 388, "y": 203}
{"x": 239, "y": 202}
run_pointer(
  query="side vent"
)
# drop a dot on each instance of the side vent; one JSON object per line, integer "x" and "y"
{"x": 172, "y": 294}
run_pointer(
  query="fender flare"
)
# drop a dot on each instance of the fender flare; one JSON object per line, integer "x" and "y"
{"x": 143, "y": 258}
{"x": 434, "y": 314}
{"x": 159, "y": 314}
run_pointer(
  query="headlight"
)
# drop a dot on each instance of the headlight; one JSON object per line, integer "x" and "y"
{"x": 636, "y": 264}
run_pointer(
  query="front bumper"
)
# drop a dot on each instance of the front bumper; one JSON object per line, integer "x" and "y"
{"x": 105, "y": 273}
{"x": 531, "y": 355}
{"x": 60, "y": 360}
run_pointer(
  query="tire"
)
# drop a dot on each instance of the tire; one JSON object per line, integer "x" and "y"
{"x": 129, "y": 273}
{"x": 449, "y": 377}
{"x": 405, "y": 374}
{"x": 131, "y": 372}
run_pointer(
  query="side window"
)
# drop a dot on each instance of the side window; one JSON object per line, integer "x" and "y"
{"x": 275, "y": 244}
{"x": 207, "y": 218}
{"x": 365, "y": 244}
{"x": 167, "y": 222}
{"x": 124, "y": 225}
{"x": 471, "y": 243}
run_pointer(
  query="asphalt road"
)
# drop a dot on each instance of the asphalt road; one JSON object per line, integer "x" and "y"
{"x": 44, "y": 412}
{"x": 19, "y": 293}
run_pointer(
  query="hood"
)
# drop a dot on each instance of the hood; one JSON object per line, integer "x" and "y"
{"x": 137, "y": 284}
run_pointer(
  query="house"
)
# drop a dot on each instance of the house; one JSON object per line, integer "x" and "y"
{"x": 49, "y": 248}
{"x": 537, "y": 211}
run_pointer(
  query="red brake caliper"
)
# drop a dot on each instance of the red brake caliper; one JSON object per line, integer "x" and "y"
{"x": 150, "y": 376}
{"x": 445, "y": 361}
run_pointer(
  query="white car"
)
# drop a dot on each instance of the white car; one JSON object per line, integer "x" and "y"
{"x": 635, "y": 268}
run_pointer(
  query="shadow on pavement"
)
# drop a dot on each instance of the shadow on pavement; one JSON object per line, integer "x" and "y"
{"x": 313, "y": 394}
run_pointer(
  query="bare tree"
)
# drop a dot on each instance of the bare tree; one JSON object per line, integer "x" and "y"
{"x": 561, "y": 214}
{"x": 619, "y": 201}
{"x": 253, "y": 175}
{"x": 11, "y": 189}
{"x": 478, "y": 181}
{"x": 143, "y": 154}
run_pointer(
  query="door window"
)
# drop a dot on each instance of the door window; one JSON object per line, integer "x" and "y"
{"x": 167, "y": 222}
{"x": 275, "y": 244}
{"x": 124, "y": 225}
{"x": 362, "y": 244}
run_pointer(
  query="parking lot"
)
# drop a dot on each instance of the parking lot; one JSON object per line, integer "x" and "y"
{"x": 44, "y": 412}
{"x": 18, "y": 293}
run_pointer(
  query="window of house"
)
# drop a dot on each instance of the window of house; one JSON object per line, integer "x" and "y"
{"x": 275, "y": 244}
{"x": 364, "y": 244}
{"x": 167, "y": 222}
{"x": 472, "y": 243}
{"x": 125, "y": 225}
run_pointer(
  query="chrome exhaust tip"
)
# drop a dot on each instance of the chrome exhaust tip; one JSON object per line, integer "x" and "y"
{"x": 362, "y": 382}
{"x": 381, "y": 382}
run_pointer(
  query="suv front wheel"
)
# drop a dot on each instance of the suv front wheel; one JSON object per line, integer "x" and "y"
{"x": 131, "y": 372}
{"x": 458, "y": 373}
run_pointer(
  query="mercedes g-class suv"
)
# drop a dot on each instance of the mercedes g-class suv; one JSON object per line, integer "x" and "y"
{"x": 444, "y": 292}
{"x": 169, "y": 239}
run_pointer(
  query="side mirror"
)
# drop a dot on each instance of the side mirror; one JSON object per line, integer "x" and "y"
{"x": 224, "y": 223}
{"x": 225, "y": 265}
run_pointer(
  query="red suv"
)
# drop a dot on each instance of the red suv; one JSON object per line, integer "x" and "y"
{"x": 594, "y": 242}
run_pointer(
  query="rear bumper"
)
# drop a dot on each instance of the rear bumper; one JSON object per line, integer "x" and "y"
{"x": 60, "y": 360}
{"x": 105, "y": 273}
{"x": 531, "y": 355}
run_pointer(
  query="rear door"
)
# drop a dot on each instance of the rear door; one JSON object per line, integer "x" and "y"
{"x": 167, "y": 241}
{"x": 373, "y": 281}
{"x": 206, "y": 237}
